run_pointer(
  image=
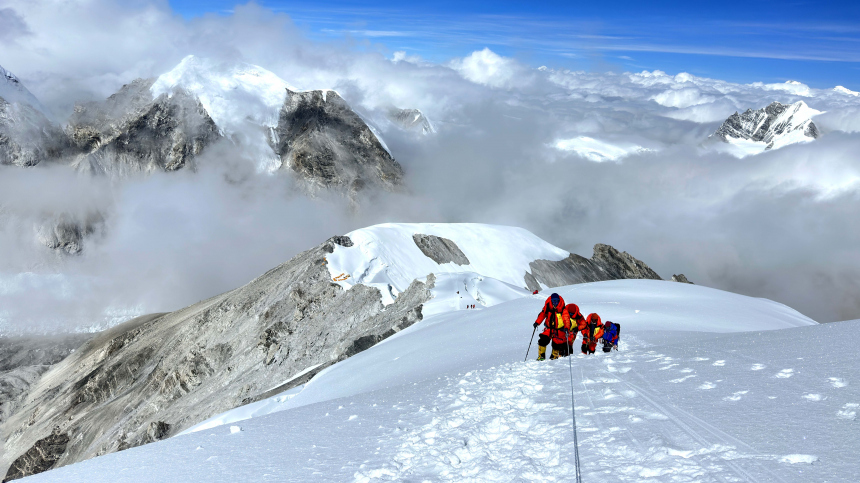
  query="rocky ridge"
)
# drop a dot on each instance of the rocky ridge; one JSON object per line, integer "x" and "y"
{"x": 321, "y": 139}
{"x": 27, "y": 135}
{"x": 774, "y": 126}
{"x": 156, "y": 375}
{"x": 607, "y": 263}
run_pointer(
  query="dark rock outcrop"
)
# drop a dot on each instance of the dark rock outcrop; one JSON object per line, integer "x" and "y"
{"x": 157, "y": 375}
{"x": 607, "y": 263}
{"x": 66, "y": 234}
{"x": 131, "y": 132}
{"x": 42, "y": 456}
{"x": 681, "y": 278}
{"x": 440, "y": 250}
{"x": 328, "y": 145}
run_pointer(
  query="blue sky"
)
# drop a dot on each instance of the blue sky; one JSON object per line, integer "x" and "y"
{"x": 817, "y": 43}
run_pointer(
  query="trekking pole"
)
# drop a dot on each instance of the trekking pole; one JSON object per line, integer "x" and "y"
{"x": 573, "y": 413}
{"x": 530, "y": 344}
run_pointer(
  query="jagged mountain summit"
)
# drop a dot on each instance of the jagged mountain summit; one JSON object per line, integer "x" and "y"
{"x": 133, "y": 131}
{"x": 158, "y": 375}
{"x": 165, "y": 123}
{"x": 27, "y": 135}
{"x": 771, "y": 127}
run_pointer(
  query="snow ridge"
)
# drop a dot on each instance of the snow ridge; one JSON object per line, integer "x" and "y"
{"x": 387, "y": 257}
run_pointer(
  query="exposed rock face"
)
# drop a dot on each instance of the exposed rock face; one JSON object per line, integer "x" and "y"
{"x": 681, "y": 278}
{"x": 41, "y": 457}
{"x": 157, "y": 375}
{"x": 24, "y": 359}
{"x": 771, "y": 125}
{"x": 411, "y": 120}
{"x": 66, "y": 234}
{"x": 329, "y": 146}
{"x": 27, "y": 136}
{"x": 133, "y": 133}
{"x": 607, "y": 263}
{"x": 440, "y": 250}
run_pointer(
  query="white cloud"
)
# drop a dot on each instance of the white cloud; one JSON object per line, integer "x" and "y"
{"x": 488, "y": 68}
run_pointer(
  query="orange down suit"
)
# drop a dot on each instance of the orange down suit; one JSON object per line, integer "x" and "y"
{"x": 577, "y": 322}
{"x": 591, "y": 330}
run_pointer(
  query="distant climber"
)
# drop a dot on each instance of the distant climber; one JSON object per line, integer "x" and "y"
{"x": 611, "y": 333}
{"x": 577, "y": 323}
{"x": 557, "y": 320}
{"x": 593, "y": 331}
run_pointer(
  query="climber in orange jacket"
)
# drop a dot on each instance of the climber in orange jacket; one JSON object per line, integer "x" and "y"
{"x": 577, "y": 324}
{"x": 591, "y": 333}
{"x": 557, "y": 320}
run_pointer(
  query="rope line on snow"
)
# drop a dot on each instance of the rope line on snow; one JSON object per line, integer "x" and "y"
{"x": 573, "y": 413}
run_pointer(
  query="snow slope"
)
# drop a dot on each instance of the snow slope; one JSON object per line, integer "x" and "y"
{"x": 771, "y": 397}
{"x": 386, "y": 257}
{"x": 230, "y": 93}
{"x": 13, "y": 91}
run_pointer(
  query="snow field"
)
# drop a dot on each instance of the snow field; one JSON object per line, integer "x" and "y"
{"x": 449, "y": 399}
{"x": 386, "y": 257}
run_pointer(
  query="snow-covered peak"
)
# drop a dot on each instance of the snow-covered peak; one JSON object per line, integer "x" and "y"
{"x": 772, "y": 127}
{"x": 495, "y": 261}
{"x": 13, "y": 91}
{"x": 846, "y": 91}
{"x": 231, "y": 93}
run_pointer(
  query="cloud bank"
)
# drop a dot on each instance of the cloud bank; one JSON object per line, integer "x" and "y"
{"x": 780, "y": 225}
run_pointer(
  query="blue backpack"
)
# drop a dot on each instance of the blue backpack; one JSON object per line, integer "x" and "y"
{"x": 612, "y": 332}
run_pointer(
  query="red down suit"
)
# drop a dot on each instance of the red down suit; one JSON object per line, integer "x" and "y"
{"x": 591, "y": 333}
{"x": 556, "y": 319}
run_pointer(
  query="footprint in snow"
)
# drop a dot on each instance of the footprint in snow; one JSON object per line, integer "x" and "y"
{"x": 837, "y": 382}
{"x": 848, "y": 411}
{"x": 785, "y": 373}
{"x": 707, "y": 385}
{"x": 757, "y": 367}
{"x": 813, "y": 397}
{"x": 720, "y": 363}
{"x": 736, "y": 396}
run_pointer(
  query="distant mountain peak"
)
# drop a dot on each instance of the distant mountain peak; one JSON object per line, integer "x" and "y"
{"x": 232, "y": 93}
{"x": 772, "y": 127}
{"x": 13, "y": 91}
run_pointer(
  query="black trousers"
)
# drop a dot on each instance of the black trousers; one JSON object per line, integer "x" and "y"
{"x": 562, "y": 348}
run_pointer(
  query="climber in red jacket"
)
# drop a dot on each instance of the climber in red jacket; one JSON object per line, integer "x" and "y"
{"x": 557, "y": 320}
{"x": 577, "y": 324}
{"x": 592, "y": 332}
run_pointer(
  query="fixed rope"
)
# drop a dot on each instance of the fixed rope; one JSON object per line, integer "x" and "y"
{"x": 573, "y": 414}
